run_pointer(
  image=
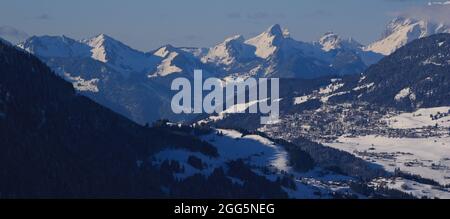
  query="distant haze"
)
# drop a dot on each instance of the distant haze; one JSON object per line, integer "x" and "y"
{"x": 146, "y": 25}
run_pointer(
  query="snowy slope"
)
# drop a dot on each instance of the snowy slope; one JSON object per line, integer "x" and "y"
{"x": 173, "y": 61}
{"x": 260, "y": 152}
{"x": 267, "y": 42}
{"x": 55, "y": 47}
{"x": 108, "y": 50}
{"x": 285, "y": 57}
{"x": 401, "y": 31}
{"x": 277, "y": 43}
{"x": 166, "y": 67}
{"x": 229, "y": 52}
{"x": 265, "y": 158}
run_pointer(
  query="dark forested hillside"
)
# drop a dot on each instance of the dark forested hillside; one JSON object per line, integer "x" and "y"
{"x": 55, "y": 143}
{"x": 416, "y": 75}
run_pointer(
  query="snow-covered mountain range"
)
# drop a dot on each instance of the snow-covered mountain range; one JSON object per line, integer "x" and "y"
{"x": 126, "y": 80}
{"x": 264, "y": 55}
{"x": 272, "y": 53}
{"x": 133, "y": 82}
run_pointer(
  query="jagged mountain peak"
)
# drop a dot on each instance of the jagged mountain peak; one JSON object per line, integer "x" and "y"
{"x": 106, "y": 49}
{"x": 278, "y": 31}
{"x": 104, "y": 36}
{"x": 331, "y": 41}
{"x": 165, "y": 50}
{"x": 101, "y": 38}
{"x": 236, "y": 48}
{"x": 106, "y": 41}
{"x": 174, "y": 60}
{"x": 230, "y": 52}
{"x": 102, "y": 48}
{"x": 275, "y": 30}
{"x": 268, "y": 42}
{"x": 329, "y": 34}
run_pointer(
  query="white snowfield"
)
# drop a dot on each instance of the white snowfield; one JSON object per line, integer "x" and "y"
{"x": 326, "y": 98}
{"x": 302, "y": 99}
{"x": 81, "y": 84}
{"x": 331, "y": 88}
{"x": 404, "y": 94}
{"x": 235, "y": 109}
{"x": 324, "y": 93}
{"x": 166, "y": 67}
{"x": 364, "y": 86}
{"x": 421, "y": 118}
{"x": 258, "y": 153}
{"x": 427, "y": 157}
{"x": 434, "y": 61}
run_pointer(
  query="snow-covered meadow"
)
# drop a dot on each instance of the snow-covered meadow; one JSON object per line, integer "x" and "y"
{"x": 427, "y": 157}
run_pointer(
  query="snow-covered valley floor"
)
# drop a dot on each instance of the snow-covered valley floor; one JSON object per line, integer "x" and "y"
{"x": 415, "y": 143}
{"x": 427, "y": 157}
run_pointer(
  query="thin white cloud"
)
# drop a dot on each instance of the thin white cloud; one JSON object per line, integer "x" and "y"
{"x": 438, "y": 12}
{"x": 438, "y": 3}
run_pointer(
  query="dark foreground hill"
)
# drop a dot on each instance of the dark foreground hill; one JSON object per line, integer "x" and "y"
{"x": 56, "y": 143}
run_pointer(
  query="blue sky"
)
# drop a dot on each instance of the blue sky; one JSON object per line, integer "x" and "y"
{"x": 147, "y": 24}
